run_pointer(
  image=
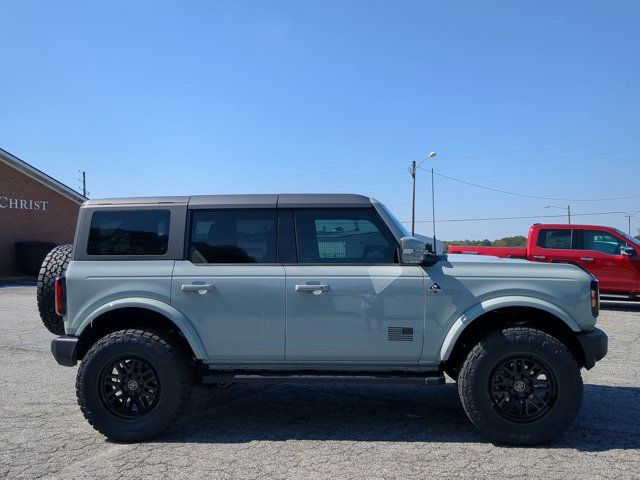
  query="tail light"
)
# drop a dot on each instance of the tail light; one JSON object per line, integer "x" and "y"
{"x": 59, "y": 288}
{"x": 595, "y": 298}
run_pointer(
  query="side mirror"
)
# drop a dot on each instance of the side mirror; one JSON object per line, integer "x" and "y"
{"x": 628, "y": 251}
{"x": 412, "y": 250}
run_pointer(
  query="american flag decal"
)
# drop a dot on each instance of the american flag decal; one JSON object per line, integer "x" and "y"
{"x": 400, "y": 334}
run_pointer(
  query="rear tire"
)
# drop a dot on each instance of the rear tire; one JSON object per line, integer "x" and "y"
{"x": 520, "y": 386}
{"x": 133, "y": 384}
{"x": 54, "y": 265}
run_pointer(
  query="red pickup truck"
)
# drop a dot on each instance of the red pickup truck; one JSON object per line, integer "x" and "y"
{"x": 609, "y": 254}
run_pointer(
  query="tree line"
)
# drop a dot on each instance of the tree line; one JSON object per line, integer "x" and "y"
{"x": 515, "y": 241}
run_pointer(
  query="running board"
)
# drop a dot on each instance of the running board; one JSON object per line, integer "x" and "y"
{"x": 319, "y": 378}
{"x": 614, "y": 296}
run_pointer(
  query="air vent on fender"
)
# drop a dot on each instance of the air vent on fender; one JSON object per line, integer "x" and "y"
{"x": 400, "y": 334}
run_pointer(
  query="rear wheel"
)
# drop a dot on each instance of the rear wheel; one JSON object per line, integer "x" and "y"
{"x": 133, "y": 384}
{"x": 54, "y": 265}
{"x": 520, "y": 386}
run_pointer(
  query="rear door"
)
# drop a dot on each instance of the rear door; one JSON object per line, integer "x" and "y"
{"x": 348, "y": 298}
{"x": 556, "y": 245}
{"x": 230, "y": 285}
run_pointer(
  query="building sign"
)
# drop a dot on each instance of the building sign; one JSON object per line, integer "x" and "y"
{"x": 22, "y": 204}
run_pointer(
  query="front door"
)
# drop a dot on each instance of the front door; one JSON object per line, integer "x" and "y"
{"x": 601, "y": 254}
{"x": 348, "y": 298}
{"x": 230, "y": 287}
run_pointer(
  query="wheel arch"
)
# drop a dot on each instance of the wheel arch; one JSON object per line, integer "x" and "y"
{"x": 487, "y": 316}
{"x": 138, "y": 313}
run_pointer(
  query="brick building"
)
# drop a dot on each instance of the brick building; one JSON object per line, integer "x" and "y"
{"x": 33, "y": 207}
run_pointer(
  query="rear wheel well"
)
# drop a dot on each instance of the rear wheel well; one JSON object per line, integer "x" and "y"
{"x": 131, "y": 318}
{"x": 511, "y": 317}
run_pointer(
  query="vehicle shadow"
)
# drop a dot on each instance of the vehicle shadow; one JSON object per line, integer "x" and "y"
{"x": 620, "y": 306}
{"x": 609, "y": 418}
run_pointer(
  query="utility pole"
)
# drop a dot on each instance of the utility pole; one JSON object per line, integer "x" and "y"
{"x": 412, "y": 171}
{"x": 568, "y": 211}
{"x": 629, "y": 220}
{"x": 84, "y": 183}
{"x": 433, "y": 212}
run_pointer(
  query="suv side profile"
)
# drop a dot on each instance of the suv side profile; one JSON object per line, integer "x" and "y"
{"x": 160, "y": 293}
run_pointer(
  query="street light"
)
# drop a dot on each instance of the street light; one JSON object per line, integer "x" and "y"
{"x": 567, "y": 208}
{"x": 412, "y": 172}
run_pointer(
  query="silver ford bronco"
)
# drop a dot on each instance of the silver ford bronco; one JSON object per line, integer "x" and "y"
{"x": 157, "y": 294}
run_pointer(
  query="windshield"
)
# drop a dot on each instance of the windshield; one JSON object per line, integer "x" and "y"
{"x": 398, "y": 229}
{"x": 629, "y": 238}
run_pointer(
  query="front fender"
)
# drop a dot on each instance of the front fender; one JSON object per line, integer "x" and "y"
{"x": 180, "y": 321}
{"x": 500, "y": 302}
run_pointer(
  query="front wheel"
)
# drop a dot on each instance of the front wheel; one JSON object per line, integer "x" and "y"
{"x": 133, "y": 384}
{"x": 520, "y": 386}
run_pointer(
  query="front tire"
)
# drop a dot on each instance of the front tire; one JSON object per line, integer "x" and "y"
{"x": 520, "y": 386}
{"x": 133, "y": 384}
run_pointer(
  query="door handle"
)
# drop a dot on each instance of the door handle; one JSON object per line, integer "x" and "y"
{"x": 586, "y": 259}
{"x": 200, "y": 288}
{"x": 312, "y": 288}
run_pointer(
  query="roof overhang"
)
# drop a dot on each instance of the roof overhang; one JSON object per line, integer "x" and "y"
{"x": 41, "y": 177}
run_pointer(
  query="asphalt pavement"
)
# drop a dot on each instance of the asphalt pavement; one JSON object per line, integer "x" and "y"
{"x": 306, "y": 431}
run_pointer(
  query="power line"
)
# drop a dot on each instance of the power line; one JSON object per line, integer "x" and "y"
{"x": 516, "y": 218}
{"x": 534, "y": 196}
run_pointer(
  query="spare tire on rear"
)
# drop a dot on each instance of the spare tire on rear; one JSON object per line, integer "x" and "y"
{"x": 54, "y": 265}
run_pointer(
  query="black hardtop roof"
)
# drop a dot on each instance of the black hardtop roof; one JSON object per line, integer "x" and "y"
{"x": 283, "y": 200}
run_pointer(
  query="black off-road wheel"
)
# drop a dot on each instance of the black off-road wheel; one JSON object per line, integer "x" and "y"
{"x": 132, "y": 384}
{"x": 54, "y": 265}
{"x": 520, "y": 386}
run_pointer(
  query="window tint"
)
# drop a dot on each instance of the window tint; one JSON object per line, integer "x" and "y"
{"x": 127, "y": 232}
{"x": 602, "y": 241}
{"x": 561, "y": 238}
{"x": 233, "y": 236}
{"x": 342, "y": 236}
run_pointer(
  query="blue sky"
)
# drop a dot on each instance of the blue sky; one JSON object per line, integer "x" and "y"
{"x": 156, "y": 98}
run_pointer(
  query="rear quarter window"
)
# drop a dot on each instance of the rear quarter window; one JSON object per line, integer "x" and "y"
{"x": 129, "y": 232}
{"x": 556, "y": 238}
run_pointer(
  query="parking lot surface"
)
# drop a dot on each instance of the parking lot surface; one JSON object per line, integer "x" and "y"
{"x": 305, "y": 431}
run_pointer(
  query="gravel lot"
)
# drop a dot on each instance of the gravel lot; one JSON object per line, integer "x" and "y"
{"x": 299, "y": 431}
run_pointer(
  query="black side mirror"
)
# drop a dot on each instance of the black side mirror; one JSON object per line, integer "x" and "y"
{"x": 429, "y": 260}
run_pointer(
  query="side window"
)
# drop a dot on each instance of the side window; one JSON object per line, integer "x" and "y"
{"x": 233, "y": 236}
{"x": 558, "y": 238}
{"x": 129, "y": 232}
{"x": 602, "y": 241}
{"x": 342, "y": 236}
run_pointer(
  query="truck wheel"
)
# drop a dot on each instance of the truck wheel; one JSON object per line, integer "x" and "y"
{"x": 520, "y": 386}
{"x": 133, "y": 384}
{"x": 54, "y": 265}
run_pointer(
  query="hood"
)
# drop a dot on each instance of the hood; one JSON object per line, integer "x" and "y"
{"x": 462, "y": 265}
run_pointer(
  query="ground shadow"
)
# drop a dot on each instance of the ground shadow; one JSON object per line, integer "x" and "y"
{"x": 620, "y": 306}
{"x": 609, "y": 418}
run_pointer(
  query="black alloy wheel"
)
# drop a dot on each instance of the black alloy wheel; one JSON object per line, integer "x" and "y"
{"x": 522, "y": 389}
{"x": 129, "y": 387}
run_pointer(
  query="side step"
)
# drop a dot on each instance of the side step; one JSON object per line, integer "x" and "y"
{"x": 398, "y": 379}
{"x": 613, "y": 296}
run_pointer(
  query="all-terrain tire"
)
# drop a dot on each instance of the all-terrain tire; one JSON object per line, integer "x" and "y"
{"x": 477, "y": 383}
{"x": 174, "y": 382}
{"x": 54, "y": 265}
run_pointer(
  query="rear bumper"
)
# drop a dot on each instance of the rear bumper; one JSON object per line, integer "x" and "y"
{"x": 65, "y": 350}
{"x": 594, "y": 346}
